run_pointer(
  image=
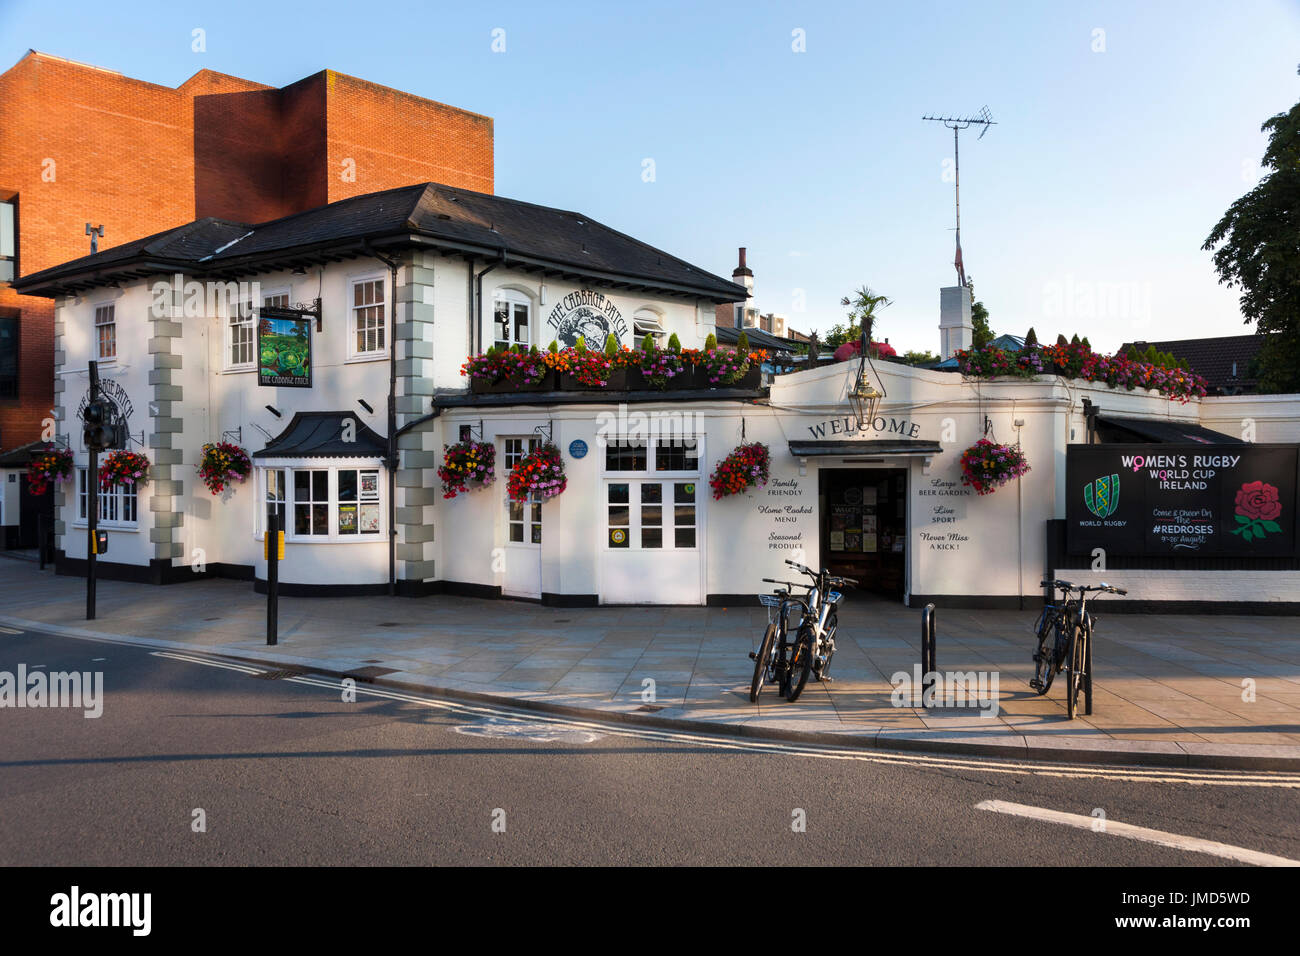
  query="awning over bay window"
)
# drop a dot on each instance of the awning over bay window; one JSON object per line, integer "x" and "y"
{"x": 325, "y": 435}
{"x": 856, "y": 449}
{"x": 1115, "y": 428}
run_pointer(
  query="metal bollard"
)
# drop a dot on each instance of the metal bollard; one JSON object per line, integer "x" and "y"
{"x": 929, "y": 666}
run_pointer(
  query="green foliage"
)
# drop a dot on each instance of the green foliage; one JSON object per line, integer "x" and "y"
{"x": 1061, "y": 339}
{"x": 553, "y": 347}
{"x": 1031, "y": 338}
{"x": 981, "y": 334}
{"x": 742, "y": 342}
{"x": 862, "y": 306}
{"x": 1074, "y": 339}
{"x": 1086, "y": 344}
{"x": 611, "y": 345}
{"x": 648, "y": 343}
{"x": 1257, "y": 249}
{"x": 711, "y": 342}
{"x": 532, "y": 350}
{"x": 675, "y": 344}
{"x": 581, "y": 344}
{"x": 919, "y": 358}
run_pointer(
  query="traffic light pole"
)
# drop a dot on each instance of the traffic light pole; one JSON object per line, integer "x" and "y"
{"x": 92, "y": 503}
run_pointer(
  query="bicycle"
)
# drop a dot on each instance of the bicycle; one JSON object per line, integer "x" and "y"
{"x": 815, "y": 643}
{"x": 1070, "y": 626}
{"x": 773, "y": 652}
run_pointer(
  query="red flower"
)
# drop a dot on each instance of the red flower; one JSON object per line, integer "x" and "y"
{"x": 1258, "y": 501}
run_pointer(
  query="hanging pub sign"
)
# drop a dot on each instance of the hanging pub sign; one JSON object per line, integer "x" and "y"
{"x": 283, "y": 350}
{"x": 1176, "y": 499}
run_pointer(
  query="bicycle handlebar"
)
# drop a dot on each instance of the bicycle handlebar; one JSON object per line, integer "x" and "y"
{"x": 1082, "y": 588}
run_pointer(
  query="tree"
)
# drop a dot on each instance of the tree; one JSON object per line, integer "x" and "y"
{"x": 1256, "y": 248}
{"x": 1031, "y": 339}
{"x": 862, "y": 306}
{"x": 981, "y": 335}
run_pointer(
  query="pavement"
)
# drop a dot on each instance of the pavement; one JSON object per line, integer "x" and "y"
{"x": 1214, "y": 691}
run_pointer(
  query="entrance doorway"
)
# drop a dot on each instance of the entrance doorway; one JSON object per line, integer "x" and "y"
{"x": 863, "y": 515}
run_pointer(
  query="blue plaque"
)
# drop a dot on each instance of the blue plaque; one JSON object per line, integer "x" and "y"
{"x": 578, "y": 448}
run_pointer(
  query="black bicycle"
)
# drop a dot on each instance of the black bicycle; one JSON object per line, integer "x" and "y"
{"x": 1064, "y": 636}
{"x": 772, "y": 658}
{"x": 814, "y": 645}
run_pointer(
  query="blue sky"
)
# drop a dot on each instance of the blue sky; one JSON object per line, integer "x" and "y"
{"x": 1083, "y": 210}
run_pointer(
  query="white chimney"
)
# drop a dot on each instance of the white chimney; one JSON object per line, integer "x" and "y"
{"x": 955, "y": 329}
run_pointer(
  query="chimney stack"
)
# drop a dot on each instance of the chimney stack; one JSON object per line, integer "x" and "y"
{"x": 955, "y": 329}
{"x": 742, "y": 274}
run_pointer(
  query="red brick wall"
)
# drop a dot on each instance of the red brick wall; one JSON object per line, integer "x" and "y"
{"x": 140, "y": 158}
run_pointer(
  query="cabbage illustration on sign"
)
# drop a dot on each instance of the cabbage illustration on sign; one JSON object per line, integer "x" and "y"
{"x": 1258, "y": 507}
{"x": 1102, "y": 496}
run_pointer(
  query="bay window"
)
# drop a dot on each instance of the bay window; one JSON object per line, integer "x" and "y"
{"x": 324, "y": 503}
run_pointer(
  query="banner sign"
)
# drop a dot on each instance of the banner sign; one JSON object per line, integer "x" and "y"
{"x": 1176, "y": 499}
{"x": 284, "y": 352}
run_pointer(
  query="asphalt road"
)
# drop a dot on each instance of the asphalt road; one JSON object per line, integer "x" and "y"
{"x": 287, "y": 772}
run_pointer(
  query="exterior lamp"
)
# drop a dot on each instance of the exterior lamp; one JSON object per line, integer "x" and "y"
{"x": 863, "y": 396}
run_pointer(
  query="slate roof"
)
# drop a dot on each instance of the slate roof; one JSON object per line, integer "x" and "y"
{"x": 1117, "y": 428}
{"x": 426, "y": 215}
{"x": 758, "y": 339}
{"x": 320, "y": 435}
{"x": 1214, "y": 358}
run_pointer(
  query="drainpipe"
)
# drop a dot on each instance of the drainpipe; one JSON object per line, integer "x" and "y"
{"x": 392, "y": 420}
{"x": 477, "y": 319}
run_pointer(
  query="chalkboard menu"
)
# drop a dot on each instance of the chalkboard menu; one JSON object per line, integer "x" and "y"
{"x": 1172, "y": 499}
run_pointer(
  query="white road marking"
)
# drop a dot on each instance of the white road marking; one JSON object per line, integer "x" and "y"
{"x": 9, "y": 630}
{"x": 208, "y": 662}
{"x": 1130, "y": 774}
{"x": 1220, "y": 778}
{"x": 542, "y": 731}
{"x": 1176, "y": 841}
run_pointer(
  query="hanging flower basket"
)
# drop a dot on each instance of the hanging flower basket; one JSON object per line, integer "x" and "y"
{"x": 745, "y": 467}
{"x": 467, "y": 466}
{"x": 123, "y": 468}
{"x": 47, "y": 468}
{"x": 223, "y": 463}
{"x": 986, "y": 466}
{"x": 539, "y": 473}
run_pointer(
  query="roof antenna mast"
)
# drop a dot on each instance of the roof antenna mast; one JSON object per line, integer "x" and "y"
{"x": 958, "y": 123}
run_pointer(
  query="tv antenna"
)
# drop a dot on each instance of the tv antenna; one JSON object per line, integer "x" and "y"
{"x": 958, "y": 123}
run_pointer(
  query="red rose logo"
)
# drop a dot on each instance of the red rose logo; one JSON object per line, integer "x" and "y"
{"x": 1258, "y": 501}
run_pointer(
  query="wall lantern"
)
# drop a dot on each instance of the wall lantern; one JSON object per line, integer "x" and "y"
{"x": 863, "y": 396}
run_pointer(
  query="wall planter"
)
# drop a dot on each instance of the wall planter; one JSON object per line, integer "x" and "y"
{"x": 49, "y": 467}
{"x": 538, "y": 474}
{"x": 513, "y": 383}
{"x": 123, "y": 468}
{"x": 467, "y": 466}
{"x": 746, "y": 467}
{"x": 986, "y": 466}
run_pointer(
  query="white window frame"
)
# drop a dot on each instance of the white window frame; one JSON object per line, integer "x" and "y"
{"x": 650, "y": 475}
{"x": 369, "y": 355}
{"x": 647, "y": 320}
{"x": 332, "y": 466}
{"x": 531, "y": 510}
{"x": 514, "y": 299}
{"x": 95, "y": 326}
{"x": 247, "y": 315}
{"x": 112, "y": 500}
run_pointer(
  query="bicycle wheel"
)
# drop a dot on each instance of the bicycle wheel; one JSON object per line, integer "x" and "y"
{"x": 822, "y": 666}
{"x": 763, "y": 663}
{"x": 796, "y": 675}
{"x": 1074, "y": 657}
{"x": 1044, "y": 665}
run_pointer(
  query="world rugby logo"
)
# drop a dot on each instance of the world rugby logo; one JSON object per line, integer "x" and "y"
{"x": 1101, "y": 495}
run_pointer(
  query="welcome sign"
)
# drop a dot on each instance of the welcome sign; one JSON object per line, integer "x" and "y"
{"x": 1144, "y": 499}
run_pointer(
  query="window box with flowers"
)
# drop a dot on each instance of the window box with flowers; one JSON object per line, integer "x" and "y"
{"x": 501, "y": 370}
{"x": 223, "y": 464}
{"x": 986, "y": 466}
{"x": 467, "y": 466}
{"x": 49, "y": 468}
{"x": 123, "y": 468}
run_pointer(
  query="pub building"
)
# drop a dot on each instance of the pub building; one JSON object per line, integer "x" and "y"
{"x": 369, "y": 307}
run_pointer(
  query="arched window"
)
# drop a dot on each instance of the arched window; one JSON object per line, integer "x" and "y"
{"x": 511, "y": 319}
{"x": 647, "y": 321}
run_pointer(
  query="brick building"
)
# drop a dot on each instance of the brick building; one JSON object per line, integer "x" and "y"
{"x": 88, "y": 145}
